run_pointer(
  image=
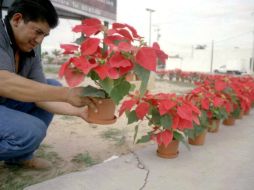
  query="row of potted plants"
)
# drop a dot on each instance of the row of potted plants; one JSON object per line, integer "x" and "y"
{"x": 179, "y": 75}
{"x": 187, "y": 118}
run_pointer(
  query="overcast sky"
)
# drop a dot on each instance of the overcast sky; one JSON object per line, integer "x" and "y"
{"x": 181, "y": 23}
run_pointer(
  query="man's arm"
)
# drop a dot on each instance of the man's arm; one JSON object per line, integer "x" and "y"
{"x": 22, "y": 89}
{"x": 63, "y": 108}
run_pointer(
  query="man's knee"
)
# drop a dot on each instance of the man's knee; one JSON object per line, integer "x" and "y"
{"x": 53, "y": 82}
{"x": 36, "y": 131}
{"x": 21, "y": 138}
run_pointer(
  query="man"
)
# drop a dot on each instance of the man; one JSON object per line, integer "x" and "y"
{"x": 27, "y": 99}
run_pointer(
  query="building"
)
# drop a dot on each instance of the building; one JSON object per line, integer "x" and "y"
{"x": 104, "y": 10}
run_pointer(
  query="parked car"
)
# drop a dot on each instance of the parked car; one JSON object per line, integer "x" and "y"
{"x": 231, "y": 71}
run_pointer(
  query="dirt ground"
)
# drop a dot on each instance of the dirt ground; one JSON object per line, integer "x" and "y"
{"x": 72, "y": 144}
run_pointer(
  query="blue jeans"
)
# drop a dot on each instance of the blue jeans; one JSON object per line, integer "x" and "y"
{"x": 23, "y": 126}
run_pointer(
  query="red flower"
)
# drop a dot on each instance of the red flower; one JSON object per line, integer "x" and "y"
{"x": 118, "y": 26}
{"x": 142, "y": 109}
{"x": 89, "y": 27}
{"x": 69, "y": 48}
{"x": 146, "y": 57}
{"x": 165, "y": 105}
{"x": 127, "y": 106}
{"x": 160, "y": 54}
{"x": 164, "y": 137}
{"x": 90, "y": 46}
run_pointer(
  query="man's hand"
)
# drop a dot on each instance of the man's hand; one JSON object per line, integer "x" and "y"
{"x": 75, "y": 98}
{"x": 83, "y": 113}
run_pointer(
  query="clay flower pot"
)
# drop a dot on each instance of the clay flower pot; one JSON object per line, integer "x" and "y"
{"x": 199, "y": 140}
{"x": 105, "y": 114}
{"x": 230, "y": 121}
{"x": 170, "y": 151}
{"x": 214, "y": 125}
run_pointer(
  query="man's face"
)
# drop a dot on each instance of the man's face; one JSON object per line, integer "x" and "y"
{"x": 28, "y": 35}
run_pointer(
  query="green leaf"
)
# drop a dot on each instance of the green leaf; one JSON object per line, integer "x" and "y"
{"x": 144, "y": 75}
{"x": 144, "y": 138}
{"x": 93, "y": 92}
{"x": 135, "y": 133}
{"x": 132, "y": 117}
{"x": 107, "y": 85}
{"x": 80, "y": 40}
{"x": 203, "y": 118}
{"x": 133, "y": 87}
{"x": 190, "y": 133}
{"x": 120, "y": 91}
{"x": 236, "y": 112}
{"x": 156, "y": 118}
{"x": 166, "y": 121}
{"x": 94, "y": 76}
{"x": 178, "y": 136}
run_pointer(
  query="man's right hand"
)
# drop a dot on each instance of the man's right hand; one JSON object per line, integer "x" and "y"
{"x": 75, "y": 98}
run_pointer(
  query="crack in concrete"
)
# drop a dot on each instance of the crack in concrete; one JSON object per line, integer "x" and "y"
{"x": 142, "y": 166}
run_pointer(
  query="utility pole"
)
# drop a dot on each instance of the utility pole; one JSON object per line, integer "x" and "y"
{"x": 211, "y": 66}
{"x": 158, "y": 34}
{"x": 150, "y": 23}
{"x": 252, "y": 57}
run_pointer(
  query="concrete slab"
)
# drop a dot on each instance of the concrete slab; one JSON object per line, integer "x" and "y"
{"x": 226, "y": 161}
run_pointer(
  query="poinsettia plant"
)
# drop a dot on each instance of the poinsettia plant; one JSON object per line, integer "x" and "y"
{"x": 107, "y": 55}
{"x": 213, "y": 106}
{"x": 210, "y": 100}
{"x": 168, "y": 115}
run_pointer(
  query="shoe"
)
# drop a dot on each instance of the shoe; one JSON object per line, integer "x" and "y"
{"x": 34, "y": 163}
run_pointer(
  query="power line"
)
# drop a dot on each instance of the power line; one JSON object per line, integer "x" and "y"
{"x": 233, "y": 37}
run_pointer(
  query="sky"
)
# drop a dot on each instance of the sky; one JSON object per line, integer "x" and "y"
{"x": 181, "y": 23}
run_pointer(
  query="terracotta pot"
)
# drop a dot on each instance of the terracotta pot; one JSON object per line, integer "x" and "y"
{"x": 105, "y": 114}
{"x": 214, "y": 125}
{"x": 171, "y": 151}
{"x": 199, "y": 140}
{"x": 229, "y": 121}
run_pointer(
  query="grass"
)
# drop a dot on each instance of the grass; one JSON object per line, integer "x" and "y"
{"x": 84, "y": 158}
{"x": 17, "y": 178}
{"x": 43, "y": 152}
{"x": 114, "y": 135}
{"x": 52, "y": 70}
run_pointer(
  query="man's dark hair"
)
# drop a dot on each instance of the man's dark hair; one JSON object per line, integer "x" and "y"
{"x": 35, "y": 10}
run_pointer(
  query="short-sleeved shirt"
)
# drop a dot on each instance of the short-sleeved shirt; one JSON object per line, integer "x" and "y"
{"x": 29, "y": 65}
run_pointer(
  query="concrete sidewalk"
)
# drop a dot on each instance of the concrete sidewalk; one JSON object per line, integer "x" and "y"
{"x": 225, "y": 162}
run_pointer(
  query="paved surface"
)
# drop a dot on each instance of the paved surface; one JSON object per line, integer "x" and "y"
{"x": 225, "y": 162}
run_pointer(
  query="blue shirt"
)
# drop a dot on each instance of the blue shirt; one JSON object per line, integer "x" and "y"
{"x": 30, "y": 65}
